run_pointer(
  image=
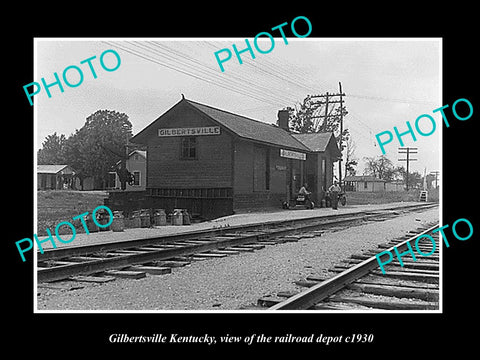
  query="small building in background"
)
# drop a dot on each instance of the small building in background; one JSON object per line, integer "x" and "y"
{"x": 395, "y": 185}
{"x": 55, "y": 177}
{"x": 365, "y": 183}
{"x": 137, "y": 166}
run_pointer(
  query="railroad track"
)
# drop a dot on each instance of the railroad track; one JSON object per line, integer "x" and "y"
{"x": 360, "y": 285}
{"x": 136, "y": 258}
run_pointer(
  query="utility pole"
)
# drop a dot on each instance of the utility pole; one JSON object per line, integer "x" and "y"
{"x": 328, "y": 101}
{"x": 436, "y": 173}
{"x": 407, "y": 151}
{"x": 341, "y": 132}
{"x": 326, "y": 112}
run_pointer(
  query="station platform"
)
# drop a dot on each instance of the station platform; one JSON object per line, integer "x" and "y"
{"x": 244, "y": 218}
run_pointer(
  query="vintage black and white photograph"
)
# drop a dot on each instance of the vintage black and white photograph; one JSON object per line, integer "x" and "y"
{"x": 269, "y": 174}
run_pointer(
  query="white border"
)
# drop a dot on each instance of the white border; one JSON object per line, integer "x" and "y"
{"x": 310, "y": 312}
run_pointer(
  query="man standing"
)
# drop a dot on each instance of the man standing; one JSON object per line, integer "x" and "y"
{"x": 334, "y": 190}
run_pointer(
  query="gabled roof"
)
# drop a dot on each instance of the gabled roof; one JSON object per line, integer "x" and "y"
{"x": 50, "y": 169}
{"x": 139, "y": 152}
{"x": 241, "y": 126}
{"x": 318, "y": 142}
{"x": 250, "y": 129}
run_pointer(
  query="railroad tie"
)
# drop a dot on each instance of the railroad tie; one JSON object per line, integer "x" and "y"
{"x": 152, "y": 270}
{"x": 125, "y": 274}
{"x": 386, "y": 303}
{"x": 396, "y": 291}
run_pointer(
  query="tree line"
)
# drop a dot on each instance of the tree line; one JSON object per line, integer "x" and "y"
{"x": 310, "y": 117}
{"x": 93, "y": 150}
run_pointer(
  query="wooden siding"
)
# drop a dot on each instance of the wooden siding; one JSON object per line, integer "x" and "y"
{"x": 212, "y": 166}
{"x": 249, "y": 184}
{"x": 259, "y": 168}
{"x": 243, "y": 169}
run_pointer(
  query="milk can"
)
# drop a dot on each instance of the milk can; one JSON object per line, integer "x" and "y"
{"x": 91, "y": 226}
{"x": 177, "y": 217}
{"x": 145, "y": 218}
{"x": 186, "y": 217}
{"x": 118, "y": 222}
{"x": 159, "y": 217}
{"x": 103, "y": 218}
{"x": 135, "y": 221}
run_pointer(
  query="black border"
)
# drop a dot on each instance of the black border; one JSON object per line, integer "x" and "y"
{"x": 405, "y": 334}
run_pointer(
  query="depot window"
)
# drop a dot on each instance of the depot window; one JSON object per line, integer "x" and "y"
{"x": 136, "y": 178}
{"x": 189, "y": 148}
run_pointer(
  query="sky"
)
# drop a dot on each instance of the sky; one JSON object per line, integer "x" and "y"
{"x": 386, "y": 81}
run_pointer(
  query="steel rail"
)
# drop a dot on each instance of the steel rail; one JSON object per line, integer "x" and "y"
{"x": 122, "y": 260}
{"x": 94, "y": 266}
{"x": 58, "y": 253}
{"x": 89, "y": 267}
{"x": 82, "y": 250}
{"x": 321, "y": 291}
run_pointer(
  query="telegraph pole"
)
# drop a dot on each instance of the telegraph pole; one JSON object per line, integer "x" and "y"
{"x": 436, "y": 173}
{"x": 407, "y": 151}
{"x": 326, "y": 111}
{"x": 341, "y": 132}
{"x": 327, "y": 101}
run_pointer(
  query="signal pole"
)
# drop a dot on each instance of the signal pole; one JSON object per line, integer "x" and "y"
{"x": 407, "y": 151}
{"x": 328, "y": 100}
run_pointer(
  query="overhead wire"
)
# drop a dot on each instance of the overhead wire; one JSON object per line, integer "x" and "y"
{"x": 244, "y": 83}
{"x": 189, "y": 73}
{"x": 204, "y": 70}
{"x": 234, "y": 78}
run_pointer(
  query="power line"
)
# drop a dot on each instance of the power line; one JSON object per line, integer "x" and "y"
{"x": 208, "y": 72}
{"x": 404, "y": 101}
{"x": 272, "y": 70}
{"x": 234, "y": 78}
{"x": 149, "y": 58}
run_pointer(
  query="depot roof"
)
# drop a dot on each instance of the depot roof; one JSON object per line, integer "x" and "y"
{"x": 248, "y": 128}
{"x": 319, "y": 142}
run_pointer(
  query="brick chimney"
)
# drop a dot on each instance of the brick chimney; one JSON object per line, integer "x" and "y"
{"x": 283, "y": 116}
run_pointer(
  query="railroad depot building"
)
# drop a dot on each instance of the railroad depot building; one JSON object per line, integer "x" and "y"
{"x": 213, "y": 162}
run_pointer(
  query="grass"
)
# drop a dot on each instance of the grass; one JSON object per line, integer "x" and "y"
{"x": 360, "y": 198}
{"x": 55, "y": 206}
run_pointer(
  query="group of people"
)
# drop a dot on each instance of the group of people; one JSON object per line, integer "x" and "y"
{"x": 334, "y": 190}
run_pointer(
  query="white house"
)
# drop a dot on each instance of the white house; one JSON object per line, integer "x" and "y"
{"x": 137, "y": 165}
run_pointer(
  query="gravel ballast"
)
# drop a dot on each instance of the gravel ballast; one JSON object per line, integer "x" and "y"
{"x": 236, "y": 281}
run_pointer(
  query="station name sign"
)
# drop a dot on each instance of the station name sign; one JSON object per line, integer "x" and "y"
{"x": 292, "y": 154}
{"x": 208, "y": 130}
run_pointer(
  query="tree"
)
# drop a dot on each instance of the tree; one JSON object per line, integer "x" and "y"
{"x": 380, "y": 167}
{"x": 415, "y": 179}
{"x": 103, "y": 129}
{"x": 85, "y": 150}
{"x": 350, "y": 160}
{"x": 53, "y": 150}
{"x": 309, "y": 117}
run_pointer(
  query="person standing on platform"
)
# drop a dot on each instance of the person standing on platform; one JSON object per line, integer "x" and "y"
{"x": 334, "y": 190}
